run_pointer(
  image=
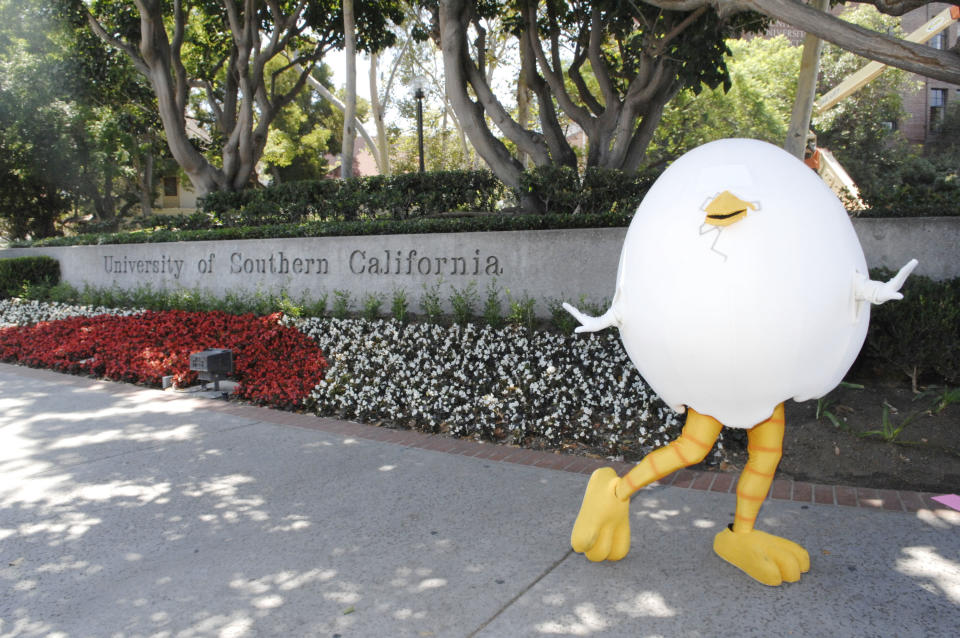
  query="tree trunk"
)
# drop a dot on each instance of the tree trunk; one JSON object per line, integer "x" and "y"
{"x": 523, "y": 99}
{"x": 382, "y": 150}
{"x": 350, "y": 112}
{"x": 452, "y": 19}
{"x": 145, "y": 183}
{"x": 157, "y": 55}
{"x": 325, "y": 93}
{"x": 806, "y": 90}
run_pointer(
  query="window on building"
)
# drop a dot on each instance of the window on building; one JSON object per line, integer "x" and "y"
{"x": 169, "y": 186}
{"x": 939, "y": 41}
{"x": 938, "y": 104}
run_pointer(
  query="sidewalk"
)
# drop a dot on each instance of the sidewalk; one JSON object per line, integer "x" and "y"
{"x": 136, "y": 512}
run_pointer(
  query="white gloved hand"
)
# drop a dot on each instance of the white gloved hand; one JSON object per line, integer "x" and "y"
{"x": 877, "y": 292}
{"x": 592, "y": 324}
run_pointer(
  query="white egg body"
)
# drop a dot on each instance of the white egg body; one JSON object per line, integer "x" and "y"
{"x": 733, "y": 320}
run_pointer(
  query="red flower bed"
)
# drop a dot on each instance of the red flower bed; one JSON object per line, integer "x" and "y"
{"x": 274, "y": 365}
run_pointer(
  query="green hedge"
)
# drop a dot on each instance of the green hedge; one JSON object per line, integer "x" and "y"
{"x": 22, "y": 272}
{"x": 484, "y": 223}
{"x": 404, "y": 203}
{"x": 919, "y": 335}
{"x": 600, "y": 190}
{"x": 393, "y": 196}
{"x": 911, "y": 202}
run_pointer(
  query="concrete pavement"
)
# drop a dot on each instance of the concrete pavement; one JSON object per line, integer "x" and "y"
{"x": 136, "y": 512}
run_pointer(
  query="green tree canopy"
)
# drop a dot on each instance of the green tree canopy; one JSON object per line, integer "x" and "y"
{"x": 861, "y": 131}
{"x": 763, "y": 76}
{"x": 220, "y": 50}
{"x": 606, "y": 65}
{"x": 75, "y": 121}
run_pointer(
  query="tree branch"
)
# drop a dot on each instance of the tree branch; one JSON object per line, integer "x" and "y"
{"x": 179, "y": 72}
{"x": 325, "y": 93}
{"x": 560, "y": 150}
{"x": 661, "y": 46}
{"x": 452, "y": 23}
{"x": 910, "y": 56}
{"x": 648, "y": 125}
{"x": 596, "y": 59}
{"x": 579, "y": 57}
{"x": 579, "y": 114}
{"x": 127, "y": 48}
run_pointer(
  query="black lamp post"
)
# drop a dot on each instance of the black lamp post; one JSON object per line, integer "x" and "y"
{"x": 418, "y": 93}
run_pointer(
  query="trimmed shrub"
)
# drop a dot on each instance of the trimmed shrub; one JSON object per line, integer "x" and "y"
{"x": 395, "y": 196}
{"x": 22, "y": 272}
{"x": 557, "y": 188}
{"x": 606, "y": 190}
{"x": 344, "y": 228}
{"x": 600, "y": 191}
{"x": 919, "y": 335}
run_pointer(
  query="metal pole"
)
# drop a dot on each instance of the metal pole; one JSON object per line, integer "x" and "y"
{"x": 419, "y": 96}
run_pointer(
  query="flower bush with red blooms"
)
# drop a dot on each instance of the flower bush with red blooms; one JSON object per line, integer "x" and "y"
{"x": 274, "y": 364}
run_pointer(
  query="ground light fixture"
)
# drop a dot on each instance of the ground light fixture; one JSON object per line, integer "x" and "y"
{"x": 212, "y": 364}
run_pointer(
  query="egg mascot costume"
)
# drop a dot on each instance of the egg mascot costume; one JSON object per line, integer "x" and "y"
{"x": 741, "y": 284}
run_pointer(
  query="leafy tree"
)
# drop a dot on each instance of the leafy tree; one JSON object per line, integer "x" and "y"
{"x": 860, "y": 130}
{"x": 763, "y": 76}
{"x": 608, "y": 66}
{"x": 764, "y": 72}
{"x": 302, "y": 133}
{"x": 75, "y": 125}
{"x": 221, "y": 48}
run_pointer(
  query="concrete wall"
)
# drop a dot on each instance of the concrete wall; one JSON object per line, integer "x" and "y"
{"x": 892, "y": 242}
{"x": 552, "y": 264}
{"x": 541, "y": 264}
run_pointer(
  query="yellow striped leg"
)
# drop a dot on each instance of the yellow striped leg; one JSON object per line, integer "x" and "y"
{"x": 699, "y": 434}
{"x": 764, "y": 448}
{"x": 765, "y": 557}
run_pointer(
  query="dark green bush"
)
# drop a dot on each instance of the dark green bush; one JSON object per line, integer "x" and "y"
{"x": 220, "y": 203}
{"x": 606, "y": 190}
{"x": 395, "y": 196}
{"x": 601, "y": 190}
{"x": 919, "y": 335}
{"x": 19, "y": 273}
{"x": 938, "y": 199}
{"x": 919, "y": 187}
{"x": 557, "y": 188}
{"x": 343, "y": 228}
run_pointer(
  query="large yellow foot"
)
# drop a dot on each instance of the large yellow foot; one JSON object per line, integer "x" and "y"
{"x": 765, "y": 557}
{"x": 602, "y": 528}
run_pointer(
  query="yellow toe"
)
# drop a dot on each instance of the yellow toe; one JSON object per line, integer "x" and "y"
{"x": 621, "y": 541}
{"x": 766, "y": 558}
{"x": 602, "y": 529}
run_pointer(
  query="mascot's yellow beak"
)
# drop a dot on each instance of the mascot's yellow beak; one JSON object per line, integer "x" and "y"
{"x": 726, "y": 208}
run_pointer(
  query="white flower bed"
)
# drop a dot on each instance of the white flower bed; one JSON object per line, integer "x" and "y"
{"x": 474, "y": 381}
{"x": 23, "y": 312}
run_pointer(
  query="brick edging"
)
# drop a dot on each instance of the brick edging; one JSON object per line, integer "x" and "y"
{"x": 782, "y": 489}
